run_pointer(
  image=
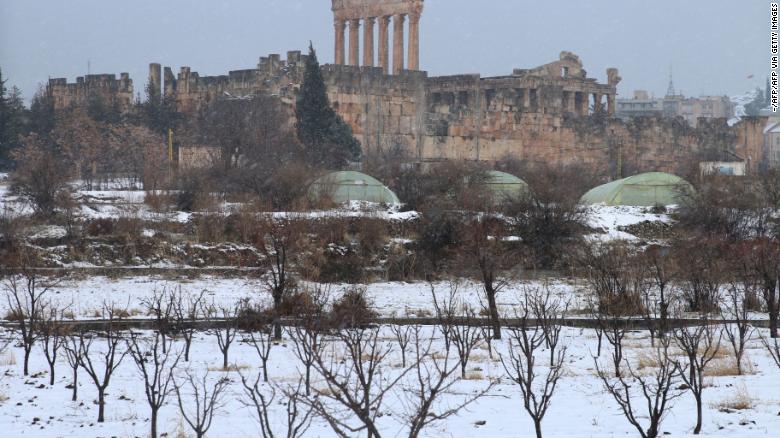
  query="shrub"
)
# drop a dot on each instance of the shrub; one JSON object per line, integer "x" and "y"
{"x": 353, "y": 309}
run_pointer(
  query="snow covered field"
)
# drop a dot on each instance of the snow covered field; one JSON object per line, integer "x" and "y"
{"x": 85, "y": 297}
{"x": 580, "y": 407}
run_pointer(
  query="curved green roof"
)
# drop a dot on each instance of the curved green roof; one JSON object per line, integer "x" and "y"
{"x": 349, "y": 186}
{"x": 504, "y": 185}
{"x": 643, "y": 190}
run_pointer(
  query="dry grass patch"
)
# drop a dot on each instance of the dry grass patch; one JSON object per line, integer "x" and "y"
{"x": 232, "y": 368}
{"x": 7, "y": 359}
{"x": 647, "y": 359}
{"x": 740, "y": 401}
{"x": 475, "y": 375}
{"x": 728, "y": 367}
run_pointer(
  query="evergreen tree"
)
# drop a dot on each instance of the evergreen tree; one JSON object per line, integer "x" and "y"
{"x": 159, "y": 113}
{"x": 42, "y": 117}
{"x": 328, "y": 139}
{"x": 13, "y": 118}
{"x": 767, "y": 94}
{"x": 753, "y": 108}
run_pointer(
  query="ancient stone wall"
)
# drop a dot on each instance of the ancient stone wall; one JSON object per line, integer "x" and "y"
{"x": 112, "y": 90}
{"x": 551, "y": 114}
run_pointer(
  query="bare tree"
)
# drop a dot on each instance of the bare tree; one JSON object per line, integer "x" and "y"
{"x": 739, "y": 333}
{"x": 520, "y": 365}
{"x": 774, "y": 349}
{"x": 101, "y": 367}
{"x": 661, "y": 270}
{"x": 52, "y": 337}
{"x": 457, "y": 324}
{"x": 486, "y": 252}
{"x": 184, "y": 313}
{"x": 356, "y": 383}
{"x": 703, "y": 276}
{"x": 224, "y": 324}
{"x": 614, "y": 329}
{"x": 74, "y": 351}
{"x": 161, "y": 307}
{"x": 611, "y": 277}
{"x": 41, "y": 175}
{"x": 432, "y": 376}
{"x": 307, "y": 335}
{"x": 207, "y": 400}
{"x": 549, "y": 312}
{"x": 403, "y": 336}
{"x": 263, "y": 342}
{"x": 762, "y": 258}
{"x": 700, "y": 346}
{"x": 261, "y": 400}
{"x": 307, "y": 341}
{"x": 25, "y": 294}
{"x": 156, "y": 365}
{"x": 278, "y": 242}
{"x": 657, "y": 391}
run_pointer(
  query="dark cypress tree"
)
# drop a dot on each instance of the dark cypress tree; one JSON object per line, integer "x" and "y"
{"x": 767, "y": 94}
{"x": 328, "y": 139}
{"x": 13, "y": 120}
{"x": 42, "y": 117}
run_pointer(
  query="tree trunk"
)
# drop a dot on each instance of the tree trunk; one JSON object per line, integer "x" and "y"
{"x": 308, "y": 379}
{"x": 491, "y": 296}
{"x": 538, "y": 427}
{"x": 51, "y": 374}
{"x": 75, "y": 383}
{"x": 101, "y": 405}
{"x": 187, "y": 343}
{"x": 265, "y": 371}
{"x": 154, "y": 422}
{"x": 277, "y": 323}
{"x": 225, "y": 358}
{"x": 697, "y": 429}
{"x": 27, "y": 351}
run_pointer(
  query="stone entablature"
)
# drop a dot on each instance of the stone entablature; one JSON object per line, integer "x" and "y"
{"x": 353, "y": 14}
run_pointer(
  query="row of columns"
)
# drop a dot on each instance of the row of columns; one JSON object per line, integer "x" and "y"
{"x": 579, "y": 103}
{"x": 384, "y": 49}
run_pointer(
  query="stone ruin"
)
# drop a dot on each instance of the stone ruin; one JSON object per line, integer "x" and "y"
{"x": 552, "y": 114}
{"x": 113, "y": 90}
{"x": 366, "y": 13}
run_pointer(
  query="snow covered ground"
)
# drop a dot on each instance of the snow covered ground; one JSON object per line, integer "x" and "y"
{"x": 85, "y": 297}
{"x": 580, "y": 407}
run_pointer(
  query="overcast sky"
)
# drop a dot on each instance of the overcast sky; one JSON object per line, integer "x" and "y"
{"x": 712, "y": 45}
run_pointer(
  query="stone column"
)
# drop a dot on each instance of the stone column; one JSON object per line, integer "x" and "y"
{"x": 611, "y": 105}
{"x": 354, "y": 42}
{"x": 597, "y": 98}
{"x": 414, "y": 41}
{"x": 368, "y": 42}
{"x": 384, "y": 44}
{"x": 398, "y": 43}
{"x": 340, "y": 25}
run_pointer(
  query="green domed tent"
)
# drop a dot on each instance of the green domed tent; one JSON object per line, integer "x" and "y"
{"x": 503, "y": 186}
{"x": 643, "y": 190}
{"x": 349, "y": 186}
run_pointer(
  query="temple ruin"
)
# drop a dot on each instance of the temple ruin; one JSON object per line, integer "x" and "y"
{"x": 368, "y": 13}
{"x": 552, "y": 113}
